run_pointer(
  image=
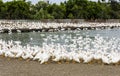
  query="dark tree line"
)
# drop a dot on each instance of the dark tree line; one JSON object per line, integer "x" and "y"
{"x": 71, "y": 9}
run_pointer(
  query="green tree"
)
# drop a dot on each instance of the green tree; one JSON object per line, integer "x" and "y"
{"x": 115, "y": 9}
{"x": 71, "y": 9}
{"x": 43, "y": 14}
{"x": 17, "y": 9}
{"x": 70, "y": 16}
{"x": 58, "y": 11}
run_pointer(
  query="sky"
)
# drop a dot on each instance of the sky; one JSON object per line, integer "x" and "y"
{"x": 51, "y": 1}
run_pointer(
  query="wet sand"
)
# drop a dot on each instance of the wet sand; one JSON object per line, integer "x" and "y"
{"x": 16, "y": 67}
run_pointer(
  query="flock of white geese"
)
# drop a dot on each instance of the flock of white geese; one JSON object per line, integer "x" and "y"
{"x": 89, "y": 51}
{"x": 98, "y": 50}
{"x": 40, "y": 25}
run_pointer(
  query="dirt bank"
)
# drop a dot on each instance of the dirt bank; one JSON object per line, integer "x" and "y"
{"x": 16, "y": 67}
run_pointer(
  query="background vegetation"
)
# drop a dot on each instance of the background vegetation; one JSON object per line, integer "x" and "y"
{"x": 71, "y": 9}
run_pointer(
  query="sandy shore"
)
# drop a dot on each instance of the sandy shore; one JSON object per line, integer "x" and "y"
{"x": 15, "y": 67}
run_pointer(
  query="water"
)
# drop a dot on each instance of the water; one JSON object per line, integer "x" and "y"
{"x": 62, "y": 37}
{"x": 70, "y": 40}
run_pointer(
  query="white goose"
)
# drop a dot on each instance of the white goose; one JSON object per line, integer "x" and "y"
{"x": 26, "y": 53}
{"x": 115, "y": 57}
{"x": 75, "y": 56}
{"x": 44, "y": 57}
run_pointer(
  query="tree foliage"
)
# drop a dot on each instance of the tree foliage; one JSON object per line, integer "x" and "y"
{"x": 71, "y": 9}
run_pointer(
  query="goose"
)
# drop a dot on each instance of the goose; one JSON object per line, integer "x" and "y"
{"x": 88, "y": 58}
{"x": 57, "y": 54}
{"x": 44, "y": 57}
{"x": 75, "y": 57}
{"x": 9, "y": 54}
{"x": 115, "y": 58}
{"x": 105, "y": 59}
{"x": 37, "y": 56}
{"x": 1, "y": 49}
{"x": 26, "y": 53}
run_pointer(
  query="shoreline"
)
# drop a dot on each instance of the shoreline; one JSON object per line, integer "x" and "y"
{"x": 55, "y": 30}
{"x": 9, "y": 27}
{"x": 15, "y": 67}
